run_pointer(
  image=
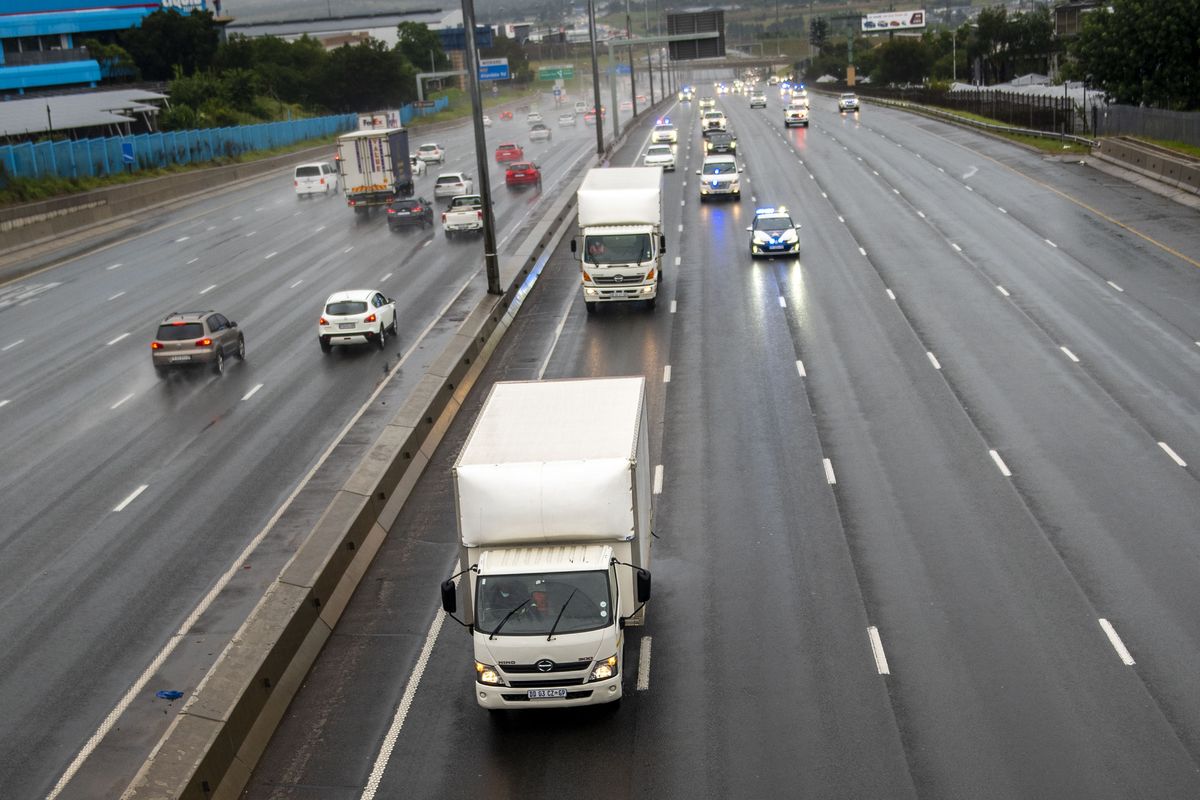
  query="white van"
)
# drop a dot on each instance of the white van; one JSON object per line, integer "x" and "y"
{"x": 317, "y": 178}
{"x": 580, "y": 107}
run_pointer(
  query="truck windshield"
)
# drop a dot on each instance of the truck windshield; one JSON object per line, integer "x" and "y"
{"x": 540, "y": 599}
{"x": 618, "y": 248}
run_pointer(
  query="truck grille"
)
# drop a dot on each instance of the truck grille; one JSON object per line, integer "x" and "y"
{"x": 567, "y": 666}
{"x": 615, "y": 280}
{"x": 536, "y": 684}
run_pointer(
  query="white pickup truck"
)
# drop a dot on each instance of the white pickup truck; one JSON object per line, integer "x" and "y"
{"x": 464, "y": 215}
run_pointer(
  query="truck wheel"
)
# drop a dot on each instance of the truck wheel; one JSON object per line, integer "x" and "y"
{"x": 651, "y": 303}
{"x": 590, "y": 306}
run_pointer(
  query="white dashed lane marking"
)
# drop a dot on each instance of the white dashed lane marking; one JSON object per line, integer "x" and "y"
{"x": 251, "y": 393}
{"x": 133, "y": 496}
{"x": 658, "y": 479}
{"x": 118, "y": 294}
{"x": 208, "y": 289}
{"x": 1174, "y": 457}
{"x": 1116, "y": 642}
{"x": 881, "y": 663}
{"x": 120, "y": 402}
{"x": 111, "y": 342}
{"x": 1000, "y": 463}
{"x": 8, "y": 347}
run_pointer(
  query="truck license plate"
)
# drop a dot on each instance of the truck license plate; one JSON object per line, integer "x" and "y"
{"x": 537, "y": 694}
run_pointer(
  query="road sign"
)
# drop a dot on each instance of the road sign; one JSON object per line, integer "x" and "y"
{"x": 621, "y": 69}
{"x": 493, "y": 69}
{"x": 127, "y": 152}
{"x": 561, "y": 71}
{"x": 557, "y": 92}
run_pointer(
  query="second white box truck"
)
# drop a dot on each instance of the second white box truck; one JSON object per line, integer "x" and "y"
{"x": 553, "y": 493}
{"x": 622, "y": 243}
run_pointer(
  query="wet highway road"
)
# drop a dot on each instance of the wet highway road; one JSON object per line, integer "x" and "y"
{"x": 128, "y": 500}
{"x": 929, "y": 517}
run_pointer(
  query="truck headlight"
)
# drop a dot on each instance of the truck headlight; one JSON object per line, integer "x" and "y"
{"x": 487, "y": 674}
{"x": 604, "y": 669}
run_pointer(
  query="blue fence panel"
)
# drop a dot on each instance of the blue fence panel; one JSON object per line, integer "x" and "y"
{"x": 102, "y": 156}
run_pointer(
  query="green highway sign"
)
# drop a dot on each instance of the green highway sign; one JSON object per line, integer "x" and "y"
{"x": 561, "y": 72}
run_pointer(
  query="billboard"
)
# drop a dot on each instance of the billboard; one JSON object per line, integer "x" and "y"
{"x": 700, "y": 22}
{"x": 893, "y": 21}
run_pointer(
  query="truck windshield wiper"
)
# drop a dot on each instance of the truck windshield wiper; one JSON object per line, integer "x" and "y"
{"x": 560, "y": 613}
{"x": 508, "y": 616}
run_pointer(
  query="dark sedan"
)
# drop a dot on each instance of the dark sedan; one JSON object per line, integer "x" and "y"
{"x": 413, "y": 211}
{"x": 717, "y": 141}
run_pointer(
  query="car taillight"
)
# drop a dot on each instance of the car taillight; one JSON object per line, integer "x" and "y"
{"x": 391, "y": 211}
{"x": 322, "y": 321}
{"x": 371, "y": 318}
{"x": 203, "y": 342}
{"x": 178, "y": 322}
{"x": 417, "y": 208}
{"x": 479, "y": 214}
{"x": 156, "y": 346}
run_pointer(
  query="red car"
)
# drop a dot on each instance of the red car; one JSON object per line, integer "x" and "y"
{"x": 523, "y": 173}
{"x": 505, "y": 115}
{"x": 509, "y": 152}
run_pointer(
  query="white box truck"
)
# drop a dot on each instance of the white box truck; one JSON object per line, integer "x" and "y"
{"x": 553, "y": 493}
{"x": 374, "y": 167}
{"x": 620, "y": 224}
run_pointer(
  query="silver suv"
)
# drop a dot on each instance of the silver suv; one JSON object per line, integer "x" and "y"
{"x": 195, "y": 338}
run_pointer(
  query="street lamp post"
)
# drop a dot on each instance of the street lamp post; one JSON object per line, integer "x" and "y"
{"x": 490, "y": 259}
{"x": 596, "y": 107}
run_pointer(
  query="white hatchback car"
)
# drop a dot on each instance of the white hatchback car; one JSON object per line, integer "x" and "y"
{"x": 533, "y": 117}
{"x": 452, "y": 184}
{"x": 319, "y": 178}
{"x": 356, "y": 317}
{"x": 660, "y": 155}
{"x": 431, "y": 151}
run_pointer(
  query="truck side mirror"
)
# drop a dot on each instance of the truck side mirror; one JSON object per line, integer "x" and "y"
{"x": 662, "y": 243}
{"x": 574, "y": 246}
{"x": 450, "y": 595}
{"x": 643, "y": 586}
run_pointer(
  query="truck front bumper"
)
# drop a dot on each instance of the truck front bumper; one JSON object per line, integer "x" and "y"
{"x": 517, "y": 697}
{"x": 608, "y": 294}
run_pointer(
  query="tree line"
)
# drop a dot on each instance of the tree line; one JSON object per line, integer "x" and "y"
{"x": 245, "y": 80}
{"x": 1140, "y": 52}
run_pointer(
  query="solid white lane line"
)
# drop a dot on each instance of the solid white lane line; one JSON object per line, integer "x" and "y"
{"x": 182, "y": 239}
{"x": 800, "y": 369}
{"x": 386, "y": 278}
{"x": 8, "y": 347}
{"x": 1000, "y": 463}
{"x": 251, "y": 393}
{"x": 118, "y": 404}
{"x": 1002, "y": 210}
{"x": 193, "y": 261}
{"x": 1174, "y": 457}
{"x": 672, "y": 306}
{"x": 121, "y": 506}
{"x": 118, "y": 294}
{"x": 891, "y": 295}
{"x": 881, "y": 663}
{"x": 678, "y": 259}
{"x": 114, "y": 266}
{"x": 956, "y": 247}
{"x": 864, "y": 252}
{"x": 1052, "y": 244}
{"x": 1069, "y": 354}
{"x": 1002, "y": 290}
{"x": 782, "y": 302}
{"x": 271, "y": 255}
{"x": 1118, "y": 288}
{"x": 658, "y": 479}
{"x": 933, "y": 360}
{"x": 830, "y": 478}
{"x": 643, "y": 679}
{"x": 406, "y": 701}
{"x": 297, "y": 283}
{"x": 1116, "y": 642}
{"x": 667, "y": 374}
{"x": 111, "y": 342}
{"x": 208, "y": 289}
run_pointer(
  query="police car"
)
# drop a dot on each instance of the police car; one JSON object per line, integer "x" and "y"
{"x": 664, "y": 133}
{"x": 773, "y": 232}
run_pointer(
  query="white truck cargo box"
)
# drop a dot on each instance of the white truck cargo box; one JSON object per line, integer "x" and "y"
{"x": 553, "y": 460}
{"x": 621, "y": 196}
